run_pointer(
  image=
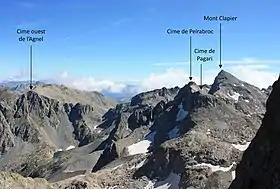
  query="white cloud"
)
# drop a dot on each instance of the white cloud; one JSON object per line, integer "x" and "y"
{"x": 251, "y": 61}
{"x": 261, "y": 75}
{"x": 22, "y": 74}
{"x": 91, "y": 84}
{"x": 170, "y": 78}
{"x": 258, "y": 75}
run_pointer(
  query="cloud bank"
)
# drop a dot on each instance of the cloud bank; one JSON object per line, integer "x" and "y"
{"x": 255, "y": 72}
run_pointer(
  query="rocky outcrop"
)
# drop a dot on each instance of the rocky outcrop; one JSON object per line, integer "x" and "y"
{"x": 154, "y": 97}
{"x": 259, "y": 168}
{"x": 128, "y": 126}
{"x": 267, "y": 91}
{"x": 16, "y": 181}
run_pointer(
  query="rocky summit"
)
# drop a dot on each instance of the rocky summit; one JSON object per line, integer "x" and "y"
{"x": 259, "y": 168}
{"x": 189, "y": 138}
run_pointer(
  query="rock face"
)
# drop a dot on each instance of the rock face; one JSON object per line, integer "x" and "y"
{"x": 259, "y": 168}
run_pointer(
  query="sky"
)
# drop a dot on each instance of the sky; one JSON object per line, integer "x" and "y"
{"x": 114, "y": 45}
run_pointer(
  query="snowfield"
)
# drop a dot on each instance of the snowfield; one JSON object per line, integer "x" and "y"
{"x": 233, "y": 175}
{"x": 171, "y": 182}
{"x": 215, "y": 168}
{"x": 139, "y": 147}
{"x": 138, "y": 165}
{"x": 235, "y": 96}
{"x": 241, "y": 147}
{"x": 70, "y": 148}
{"x": 181, "y": 113}
{"x": 116, "y": 167}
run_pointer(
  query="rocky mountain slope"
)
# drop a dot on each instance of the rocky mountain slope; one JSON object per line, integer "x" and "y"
{"x": 259, "y": 168}
{"x": 193, "y": 141}
{"x": 55, "y": 132}
{"x": 38, "y": 124}
{"x": 201, "y": 135}
{"x": 191, "y": 137}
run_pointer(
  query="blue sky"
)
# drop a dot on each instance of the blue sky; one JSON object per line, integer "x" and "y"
{"x": 116, "y": 42}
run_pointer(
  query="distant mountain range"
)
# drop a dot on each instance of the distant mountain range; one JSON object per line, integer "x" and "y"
{"x": 23, "y": 86}
{"x": 19, "y": 86}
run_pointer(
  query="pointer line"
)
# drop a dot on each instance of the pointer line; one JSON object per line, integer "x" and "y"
{"x": 220, "y": 45}
{"x": 190, "y": 57}
{"x": 31, "y": 66}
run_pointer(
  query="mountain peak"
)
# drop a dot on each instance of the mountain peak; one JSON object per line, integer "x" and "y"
{"x": 224, "y": 78}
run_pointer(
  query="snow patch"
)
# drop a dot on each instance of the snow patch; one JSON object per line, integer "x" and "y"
{"x": 99, "y": 131}
{"x": 235, "y": 96}
{"x": 70, "y": 147}
{"x": 114, "y": 168}
{"x": 174, "y": 133}
{"x": 171, "y": 182}
{"x": 246, "y": 100}
{"x": 139, "y": 147}
{"x": 150, "y": 185}
{"x": 241, "y": 147}
{"x": 111, "y": 187}
{"x": 68, "y": 171}
{"x": 233, "y": 175}
{"x": 105, "y": 137}
{"x": 59, "y": 150}
{"x": 138, "y": 165}
{"x": 215, "y": 168}
{"x": 181, "y": 113}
